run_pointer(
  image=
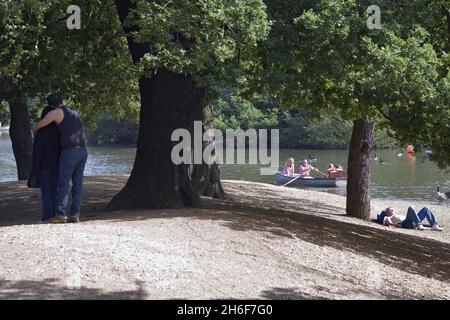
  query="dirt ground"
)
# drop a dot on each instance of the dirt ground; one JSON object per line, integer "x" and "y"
{"x": 263, "y": 242}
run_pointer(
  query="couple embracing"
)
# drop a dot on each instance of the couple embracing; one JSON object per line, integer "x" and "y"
{"x": 59, "y": 155}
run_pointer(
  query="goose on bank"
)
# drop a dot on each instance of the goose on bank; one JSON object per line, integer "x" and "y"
{"x": 442, "y": 196}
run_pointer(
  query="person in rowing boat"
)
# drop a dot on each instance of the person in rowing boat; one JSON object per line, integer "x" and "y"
{"x": 305, "y": 170}
{"x": 412, "y": 220}
{"x": 331, "y": 168}
{"x": 336, "y": 171}
{"x": 289, "y": 167}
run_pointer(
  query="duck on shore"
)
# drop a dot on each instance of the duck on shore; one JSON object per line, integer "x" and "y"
{"x": 441, "y": 195}
{"x": 3, "y": 128}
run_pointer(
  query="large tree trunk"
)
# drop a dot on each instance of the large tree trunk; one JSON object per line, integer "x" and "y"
{"x": 206, "y": 178}
{"x": 168, "y": 101}
{"x": 358, "y": 187}
{"x": 20, "y": 133}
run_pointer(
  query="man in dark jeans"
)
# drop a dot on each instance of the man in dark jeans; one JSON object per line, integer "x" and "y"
{"x": 412, "y": 220}
{"x": 72, "y": 160}
{"x": 44, "y": 172}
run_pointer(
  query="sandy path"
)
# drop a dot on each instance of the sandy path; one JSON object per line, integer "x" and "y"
{"x": 226, "y": 250}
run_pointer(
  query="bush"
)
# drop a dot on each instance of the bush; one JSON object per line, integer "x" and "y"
{"x": 111, "y": 131}
{"x": 299, "y": 128}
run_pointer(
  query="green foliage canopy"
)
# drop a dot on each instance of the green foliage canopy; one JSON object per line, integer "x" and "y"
{"x": 210, "y": 40}
{"x": 90, "y": 67}
{"x": 322, "y": 55}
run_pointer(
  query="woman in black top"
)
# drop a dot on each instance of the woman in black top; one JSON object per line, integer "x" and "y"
{"x": 44, "y": 173}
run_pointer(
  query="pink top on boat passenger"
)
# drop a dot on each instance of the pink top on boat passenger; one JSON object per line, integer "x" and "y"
{"x": 289, "y": 167}
{"x": 305, "y": 168}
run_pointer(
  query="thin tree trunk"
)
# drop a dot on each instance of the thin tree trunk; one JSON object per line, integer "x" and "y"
{"x": 20, "y": 133}
{"x": 358, "y": 187}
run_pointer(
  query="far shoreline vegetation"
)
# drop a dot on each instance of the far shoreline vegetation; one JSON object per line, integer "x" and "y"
{"x": 299, "y": 128}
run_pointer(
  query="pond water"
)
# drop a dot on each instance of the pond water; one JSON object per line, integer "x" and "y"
{"x": 397, "y": 178}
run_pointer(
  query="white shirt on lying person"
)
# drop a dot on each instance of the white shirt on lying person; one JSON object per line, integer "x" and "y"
{"x": 395, "y": 219}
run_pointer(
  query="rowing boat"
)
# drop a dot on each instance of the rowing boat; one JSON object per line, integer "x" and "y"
{"x": 281, "y": 179}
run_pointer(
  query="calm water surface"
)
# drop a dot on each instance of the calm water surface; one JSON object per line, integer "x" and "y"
{"x": 398, "y": 177}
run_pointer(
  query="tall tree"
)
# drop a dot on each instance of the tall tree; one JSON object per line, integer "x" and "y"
{"x": 322, "y": 55}
{"x": 184, "y": 50}
{"x": 17, "y": 44}
{"x": 40, "y": 55}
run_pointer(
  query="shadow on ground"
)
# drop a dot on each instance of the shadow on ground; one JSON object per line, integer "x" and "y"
{"x": 295, "y": 294}
{"x": 287, "y": 294}
{"x": 52, "y": 289}
{"x": 410, "y": 253}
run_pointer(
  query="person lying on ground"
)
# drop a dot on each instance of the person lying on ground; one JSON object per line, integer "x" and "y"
{"x": 412, "y": 220}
